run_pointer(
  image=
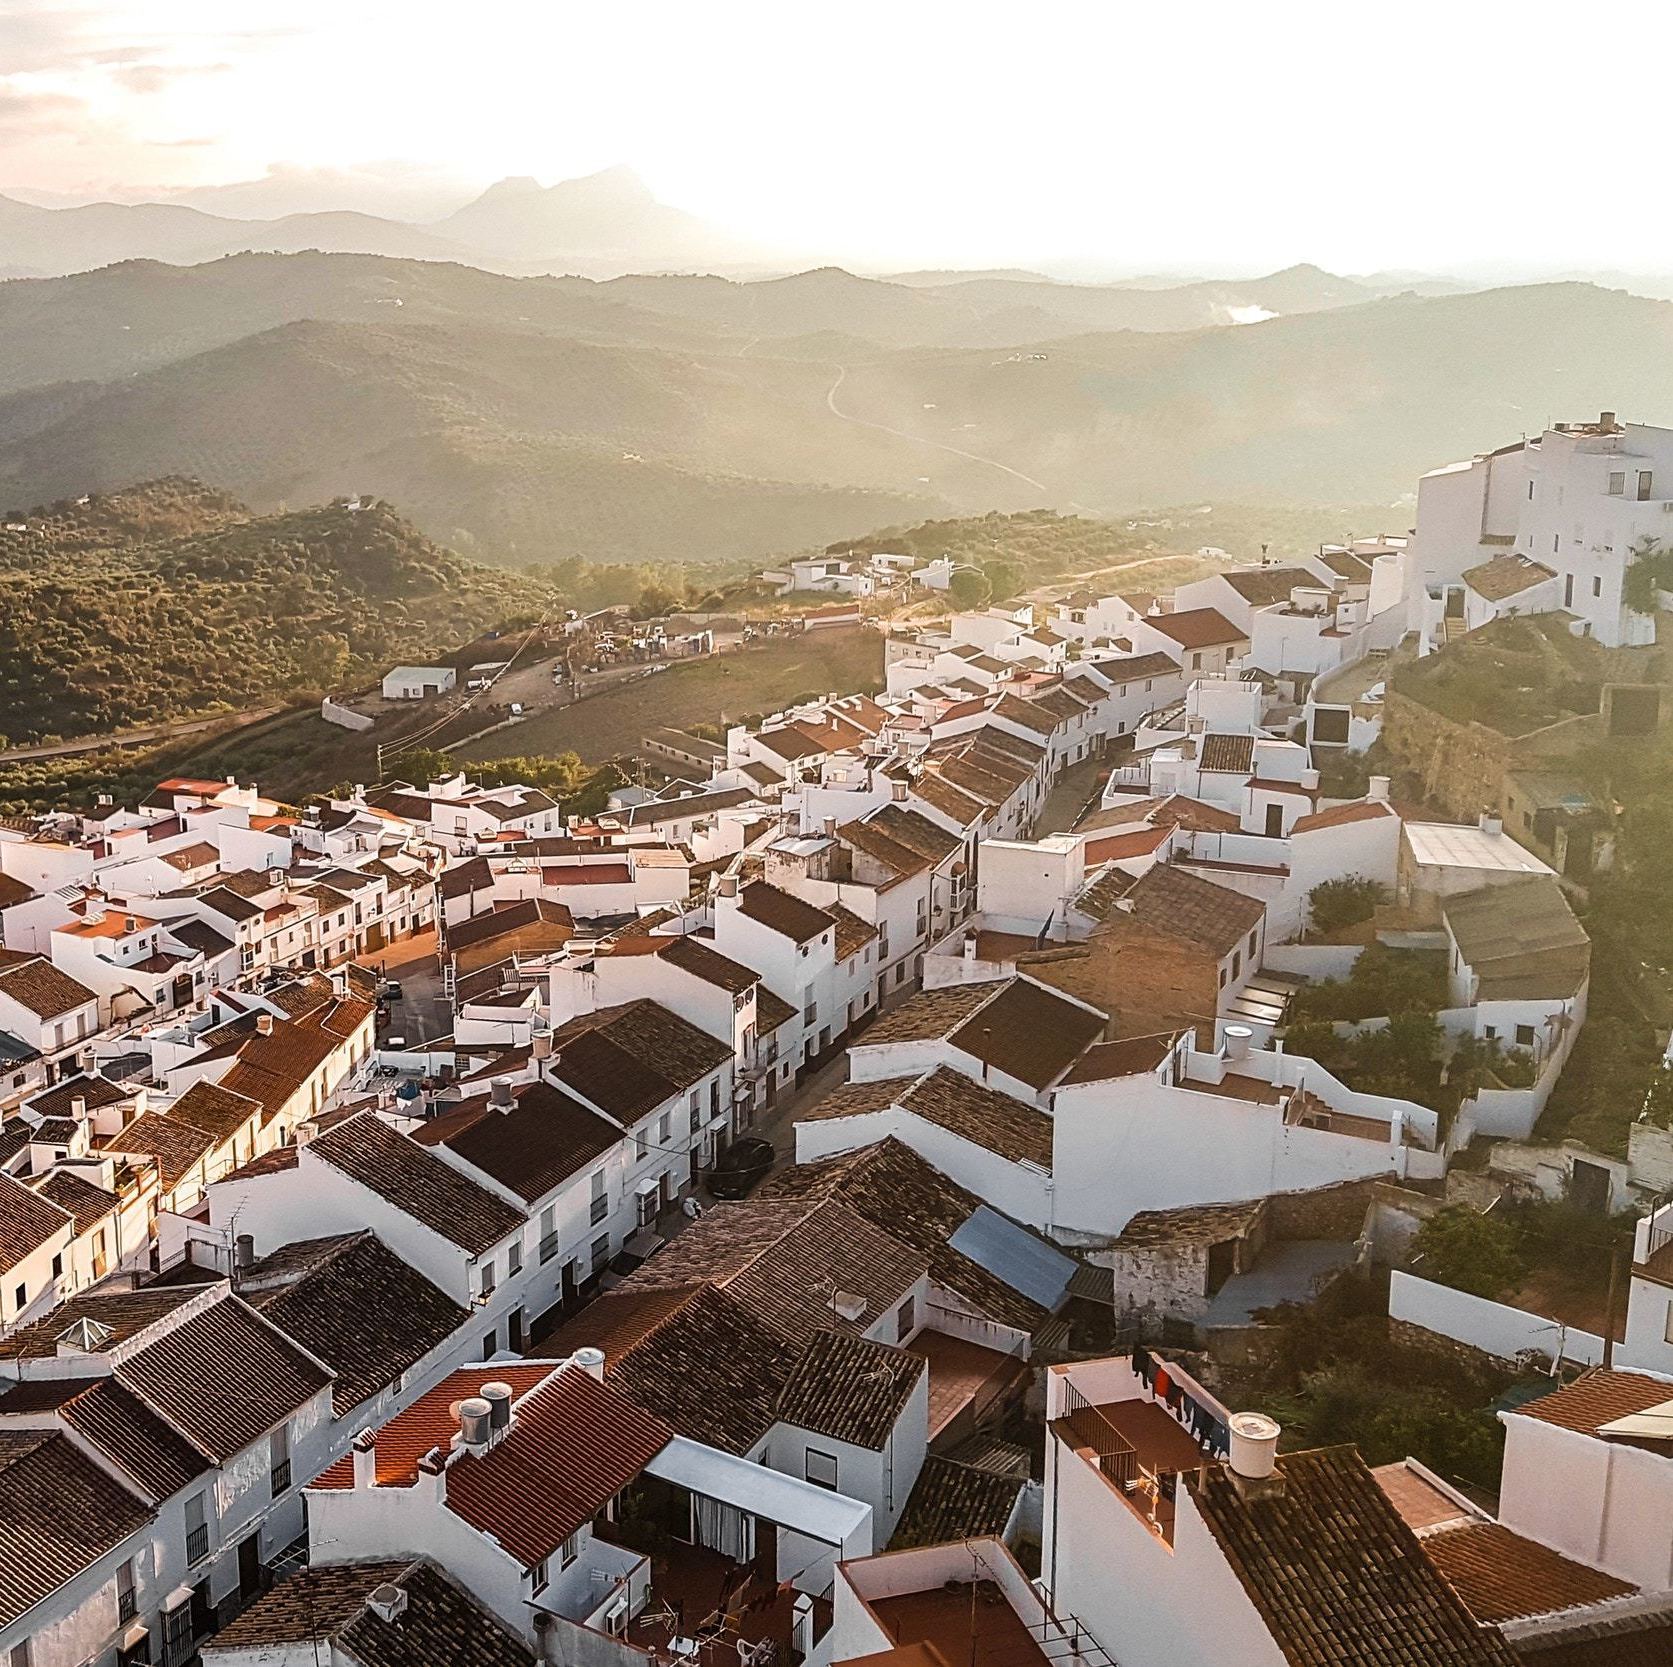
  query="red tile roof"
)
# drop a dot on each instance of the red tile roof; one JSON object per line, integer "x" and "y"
{"x": 1503, "y": 1577}
{"x": 1361, "y": 810}
{"x": 1197, "y": 628}
{"x": 1597, "y": 1397}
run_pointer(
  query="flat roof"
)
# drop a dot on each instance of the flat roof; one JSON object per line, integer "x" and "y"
{"x": 1448, "y": 845}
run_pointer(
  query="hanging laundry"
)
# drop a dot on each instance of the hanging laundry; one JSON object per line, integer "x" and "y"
{"x": 1162, "y": 1383}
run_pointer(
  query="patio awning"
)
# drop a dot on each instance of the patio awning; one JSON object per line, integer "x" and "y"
{"x": 831, "y": 1518}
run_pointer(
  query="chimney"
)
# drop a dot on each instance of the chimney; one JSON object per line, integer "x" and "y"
{"x": 432, "y": 1476}
{"x": 1254, "y": 1450}
{"x": 729, "y": 885}
{"x": 1492, "y": 822}
{"x": 366, "y": 1459}
{"x": 359, "y": 790}
{"x": 129, "y": 924}
{"x": 474, "y": 1417}
{"x": 547, "y": 1649}
{"x": 232, "y": 781}
{"x": 387, "y": 1601}
{"x": 897, "y": 791}
{"x": 264, "y": 1024}
{"x": 970, "y": 946}
{"x": 498, "y": 1397}
{"x": 501, "y": 1097}
{"x": 1238, "y": 1038}
{"x": 1606, "y": 421}
{"x": 540, "y": 1047}
{"x": 244, "y": 1252}
{"x": 78, "y": 1106}
{"x": 1376, "y": 790}
{"x": 591, "y": 1361}
{"x": 830, "y": 826}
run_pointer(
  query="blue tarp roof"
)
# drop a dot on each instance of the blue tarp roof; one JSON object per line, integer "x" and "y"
{"x": 1013, "y": 1254}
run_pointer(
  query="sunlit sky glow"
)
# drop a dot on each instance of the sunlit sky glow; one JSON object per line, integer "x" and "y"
{"x": 1115, "y": 136}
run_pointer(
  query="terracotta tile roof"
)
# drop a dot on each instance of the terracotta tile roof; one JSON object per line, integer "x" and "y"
{"x": 1420, "y": 1503}
{"x": 855, "y": 1099}
{"x": 1596, "y": 1398}
{"x": 538, "y": 1143}
{"x": 58, "y": 1101}
{"x": 873, "y": 841}
{"x": 1130, "y": 668}
{"x": 314, "y": 1603}
{"x": 1029, "y": 714}
{"x": 1359, "y": 810}
{"x": 1180, "y": 905}
{"x": 852, "y": 933}
{"x": 574, "y": 1443}
{"x": 1631, "y": 1641}
{"x": 1009, "y": 1127}
{"x": 629, "y": 1060}
{"x": 516, "y": 916}
{"x": 952, "y": 1501}
{"x": 442, "y": 1622}
{"x": 915, "y": 831}
{"x": 1028, "y": 1031}
{"x": 1127, "y": 1056}
{"x": 701, "y": 960}
{"x": 13, "y": 892}
{"x": 1506, "y": 576}
{"x": 417, "y": 1182}
{"x": 125, "y": 1313}
{"x": 223, "y": 1377}
{"x": 1114, "y": 847}
{"x": 1265, "y": 585}
{"x": 218, "y": 1111}
{"x": 1338, "y": 1579}
{"x": 42, "y": 989}
{"x": 59, "y": 1514}
{"x": 850, "y": 1388}
{"x": 352, "y": 1303}
{"x": 771, "y": 1011}
{"x": 1502, "y": 1576}
{"x": 782, "y": 912}
{"x": 174, "y": 1146}
{"x": 431, "y": 1421}
{"x": 928, "y": 1014}
{"x": 27, "y": 1221}
{"x": 1197, "y": 628}
{"x": 1194, "y": 1224}
{"x": 936, "y": 791}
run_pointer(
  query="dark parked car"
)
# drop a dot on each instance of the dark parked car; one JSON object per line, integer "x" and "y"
{"x": 741, "y": 1166}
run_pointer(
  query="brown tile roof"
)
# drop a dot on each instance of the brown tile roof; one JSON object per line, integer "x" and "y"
{"x": 1197, "y": 628}
{"x": 703, "y": 961}
{"x": 1506, "y": 576}
{"x": 1502, "y": 1576}
{"x": 441, "y": 1623}
{"x": 96, "y": 1090}
{"x": 629, "y": 1060}
{"x": 1029, "y": 1032}
{"x": 41, "y": 988}
{"x": 1029, "y": 714}
{"x": 771, "y": 1011}
{"x": 855, "y": 1099}
{"x": 417, "y": 1182}
{"x": 850, "y": 1388}
{"x": 125, "y": 1313}
{"x": 1182, "y": 905}
{"x": 1192, "y": 1224}
{"x": 1631, "y": 1641}
{"x": 1358, "y": 810}
{"x": 1009, "y": 1127}
{"x": 27, "y": 1221}
{"x": 1338, "y": 1579}
{"x": 1596, "y": 1398}
{"x": 216, "y": 1110}
{"x": 1521, "y": 940}
{"x": 314, "y": 1603}
{"x": 928, "y": 1014}
{"x": 1127, "y": 1056}
{"x": 515, "y": 916}
{"x": 915, "y": 831}
{"x": 173, "y": 1145}
{"x": 1263, "y": 586}
{"x": 536, "y": 1144}
{"x": 852, "y": 933}
{"x": 952, "y": 1501}
{"x": 59, "y": 1514}
{"x": 88, "y": 1204}
{"x": 1420, "y": 1503}
{"x": 13, "y": 892}
{"x": 782, "y": 912}
{"x": 223, "y": 1377}
{"x": 1234, "y": 753}
{"x": 940, "y": 794}
{"x": 1135, "y": 666}
{"x": 353, "y": 1303}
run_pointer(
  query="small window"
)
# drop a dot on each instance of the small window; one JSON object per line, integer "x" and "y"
{"x": 570, "y": 1550}
{"x": 1646, "y": 485}
{"x": 600, "y": 1252}
{"x": 1237, "y": 962}
{"x": 537, "y": 1576}
{"x": 1556, "y": 542}
{"x": 20, "y": 1297}
{"x": 820, "y": 1469}
{"x": 1530, "y": 491}
{"x": 127, "y": 1602}
{"x": 486, "y": 1276}
{"x": 279, "y": 1460}
{"x": 514, "y": 1259}
{"x": 1667, "y": 1330}
{"x": 1597, "y": 586}
{"x": 1524, "y": 1036}
{"x": 58, "y": 1266}
{"x": 1251, "y": 943}
{"x": 1617, "y": 483}
{"x": 641, "y": 1144}
{"x": 665, "y": 1128}
{"x": 908, "y": 1319}
{"x": 19, "y": 1655}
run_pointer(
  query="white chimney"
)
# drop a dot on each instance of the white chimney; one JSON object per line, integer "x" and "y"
{"x": 264, "y": 1024}
{"x": 1492, "y": 822}
{"x": 432, "y": 1476}
{"x": 897, "y": 791}
{"x": 729, "y": 885}
{"x": 540, "y": 1047}
{"x": 591, "y": 1361}
{"x": 475, "y": 1417}
{"x": 78, "y": 1106}
{"x": 129, "y": 923}
{"x": 1254, "y": 1445}
{"x": 1238, "y": 1038}
{"x": 1376, "y": 790}
{"x": 501, "y": 1097}
{"x": 366, "y": 1459}
{"x": 970, "y": 946}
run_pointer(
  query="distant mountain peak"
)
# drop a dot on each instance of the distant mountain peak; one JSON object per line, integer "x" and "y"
{"x": 513, "y": 185}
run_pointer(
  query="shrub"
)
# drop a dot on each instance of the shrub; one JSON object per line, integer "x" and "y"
{"x": 1334, "y": 904}
{"x": 1469, "y": 1251}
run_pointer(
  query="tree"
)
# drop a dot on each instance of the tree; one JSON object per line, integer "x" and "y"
{"x": 1004, "y": 577}
{"x": 1334, "y": 904}
{"x": 969, "y": 588}
{"x": 1469, "y": 1251}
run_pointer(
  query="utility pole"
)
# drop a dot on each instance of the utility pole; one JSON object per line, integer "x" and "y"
{"x": 1609, "y": 1306}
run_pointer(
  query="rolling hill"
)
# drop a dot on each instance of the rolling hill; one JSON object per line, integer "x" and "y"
{"x": 170, "y": 597}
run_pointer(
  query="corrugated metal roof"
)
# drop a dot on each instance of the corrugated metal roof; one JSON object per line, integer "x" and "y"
{"x": 1025, "y": 1263}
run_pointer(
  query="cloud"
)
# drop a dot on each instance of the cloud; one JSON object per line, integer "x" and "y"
{"x": 30, "y": 114}
{"x": 149, "y": 78}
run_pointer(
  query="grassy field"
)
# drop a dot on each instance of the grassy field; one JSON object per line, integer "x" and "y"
{"x": 752, "y": 682}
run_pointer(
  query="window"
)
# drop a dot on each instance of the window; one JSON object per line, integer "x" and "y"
{"x": 1646, "y": 485}
{"x": 177, "y": 1634}
{"x": 1568, "y": 590}
{"x": 514, "y": 1259}
{"x": 19, "y": 1656}
{"x": 1251, "y": 943}
{"x": 1237, "y": 962}
{"x": 641, "y": 1143}
{"x": 58, "y": 1266}
{"x": 665, "y": 1128}
{"x": 1617, "y": 483}
{"x": 820, "y": 1469}
{"x": 1524, "y": 1036}
{"x": 487, "y": 1278}
{"x": 1530, "y": 491}
{"x": 570, "y": 1550}
{"x": 600, "y": 1252}
{"x": 197, "y": 1528}
{"x": 694, "y": 1119}
{"x": 1597, "y": 587}
{"x": 279, "y": 1460}
{"x": 908, "y": 1319}
{"x": 1667, "y": 1330}
{"x": 1556, "y": 542}
{"x": 1196, "y": 662}
{"x": 127, "y": 1603}
{"x": 537, "y": 1576}
{"x": 20, "y": 1297}
{"x": 548, "y": 1233}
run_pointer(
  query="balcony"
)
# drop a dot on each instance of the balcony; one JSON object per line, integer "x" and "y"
{"x": 197, "y": 1544}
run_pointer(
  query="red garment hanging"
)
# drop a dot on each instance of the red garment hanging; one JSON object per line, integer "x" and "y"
{"x": 1159, "y": 1388}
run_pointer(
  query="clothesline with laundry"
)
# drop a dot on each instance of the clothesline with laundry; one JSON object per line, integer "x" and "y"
{"x": 1204, "y": 1427}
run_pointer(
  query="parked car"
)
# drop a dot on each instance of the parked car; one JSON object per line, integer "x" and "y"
{"x": 391, "y": 990}
{"x": 742, "y": 1166}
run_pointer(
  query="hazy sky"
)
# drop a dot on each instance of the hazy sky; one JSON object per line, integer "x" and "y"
{"x": 1135, "y": 136}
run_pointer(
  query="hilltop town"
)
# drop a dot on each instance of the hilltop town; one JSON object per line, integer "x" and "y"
{"x": 1143, "y": 1138}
